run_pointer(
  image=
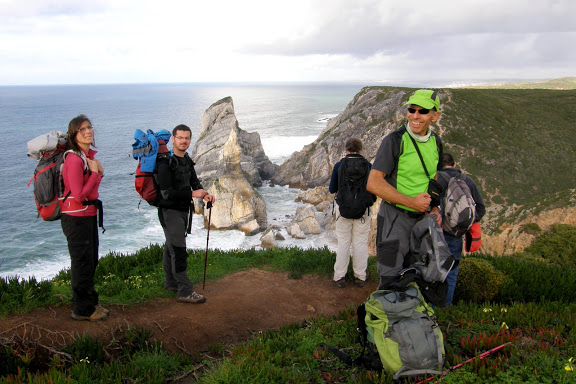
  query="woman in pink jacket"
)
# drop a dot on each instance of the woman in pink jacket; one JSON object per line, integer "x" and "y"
{"x": 82, "y": 174}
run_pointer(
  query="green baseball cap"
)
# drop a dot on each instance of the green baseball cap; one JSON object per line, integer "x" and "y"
{"x": 425, "y": 98}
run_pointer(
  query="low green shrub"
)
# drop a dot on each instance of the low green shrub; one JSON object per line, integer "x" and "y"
{"x": 21, "y": 295}
{"x": 478, "y": 280}
{"x": 534, "y": 281}
{"x": 132, "y": 356}
{"x": 556, "y": 246}
{"x": 531, "y": 228}
{"x": 86, "y": 349}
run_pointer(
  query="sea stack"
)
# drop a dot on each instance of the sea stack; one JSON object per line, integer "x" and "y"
{"x": 230, "y": 162}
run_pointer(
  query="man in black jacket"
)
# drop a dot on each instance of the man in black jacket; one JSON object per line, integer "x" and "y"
{"x": 178, "y": 185}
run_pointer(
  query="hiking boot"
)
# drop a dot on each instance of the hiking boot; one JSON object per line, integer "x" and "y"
{"x": 100, "y": 308}
{"x": 194, "y": 298}
{"x": 96, "y": 316}
{"x": 341, "y": 283}
{"x": 359, "y": 282}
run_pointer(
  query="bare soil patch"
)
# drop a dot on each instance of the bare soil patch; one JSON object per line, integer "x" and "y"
{"x": 237, "y": 306}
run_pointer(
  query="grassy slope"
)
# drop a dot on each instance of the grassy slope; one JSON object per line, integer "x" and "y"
{"x": 517, "y": 141}
{"x": 518, "y": 144}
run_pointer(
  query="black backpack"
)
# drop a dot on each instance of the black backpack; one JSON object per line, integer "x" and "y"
{"x": 352, "y": 197}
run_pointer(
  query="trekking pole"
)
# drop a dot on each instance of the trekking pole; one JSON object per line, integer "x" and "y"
{"x": 209, "y": 207}
{"x": 481, "y": 356}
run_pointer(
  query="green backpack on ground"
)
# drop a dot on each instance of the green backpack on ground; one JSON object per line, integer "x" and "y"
{"x": 401, "y": 327}
{"x": 398, "y": 334}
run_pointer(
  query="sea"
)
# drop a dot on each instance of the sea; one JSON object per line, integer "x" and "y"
{"x": 287, "y": 117}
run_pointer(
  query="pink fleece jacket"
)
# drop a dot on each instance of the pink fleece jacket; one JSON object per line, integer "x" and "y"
{"x": 83, "y": 186}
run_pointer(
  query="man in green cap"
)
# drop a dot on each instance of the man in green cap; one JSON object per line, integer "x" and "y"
{"x": 398, "y": 177}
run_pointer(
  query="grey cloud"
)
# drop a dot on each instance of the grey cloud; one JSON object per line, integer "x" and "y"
{"x": 484, "y": 56}
{"x": 371, "y": 27}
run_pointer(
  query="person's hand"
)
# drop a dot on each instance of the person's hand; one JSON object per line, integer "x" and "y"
{"x": 93, "y": 165}
{"x": 421, "y": 202}
{"x": 209, "y": 198}
{"x": 436, "y": 211}
{"x": 100, "y": 168}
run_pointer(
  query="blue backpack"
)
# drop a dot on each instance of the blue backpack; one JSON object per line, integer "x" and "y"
{"x": 147, "y": 149}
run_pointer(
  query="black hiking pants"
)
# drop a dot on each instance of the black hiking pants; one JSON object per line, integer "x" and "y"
{"x": 82, "y": 235}
{"x": 175, "y": 258}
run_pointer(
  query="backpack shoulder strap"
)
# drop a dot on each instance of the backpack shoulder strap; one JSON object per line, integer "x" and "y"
{"x": 342, "y": 169}
{"x": 80, "y": 155}
{"x": 400, "y": 147}
{"x": 343, "y": 357}
{"x": 363, "y": 360}
{"x": 420, "y": 156}
{"x": 191, "y": 162}
{"x": 444, "y": 175}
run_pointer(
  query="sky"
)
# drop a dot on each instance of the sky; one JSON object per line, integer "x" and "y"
{"x": 179, "y": 41}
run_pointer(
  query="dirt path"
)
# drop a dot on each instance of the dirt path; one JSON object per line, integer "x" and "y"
{"x": 236, "y": 307}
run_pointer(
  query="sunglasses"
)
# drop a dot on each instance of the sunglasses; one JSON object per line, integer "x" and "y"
{"x": 422, "y": 111}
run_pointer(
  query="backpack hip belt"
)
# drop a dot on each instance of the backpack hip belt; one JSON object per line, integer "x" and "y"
{"x": 70, "y": 205}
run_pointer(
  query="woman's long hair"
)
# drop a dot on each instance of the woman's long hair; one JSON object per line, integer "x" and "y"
{"x": 73, "y": 129}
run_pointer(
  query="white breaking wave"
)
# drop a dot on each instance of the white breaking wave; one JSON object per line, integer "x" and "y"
{"x": 280, "y": 148}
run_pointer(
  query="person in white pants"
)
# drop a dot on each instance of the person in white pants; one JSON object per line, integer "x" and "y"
{"x": 352, "y": 242}
{"x": 352, "y": 219}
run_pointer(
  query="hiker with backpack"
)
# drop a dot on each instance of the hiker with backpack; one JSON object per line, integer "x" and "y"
{"x": 462, "y": 207}
{"x": 348, "y": 181}
{"x": 404, "y": 175}
{"x": 178, "y": 184}
{"x": 81, "y": 175}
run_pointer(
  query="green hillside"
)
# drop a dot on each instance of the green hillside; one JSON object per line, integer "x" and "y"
{"x": 519, "y": 144}
{"x": 560, "y": 83}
